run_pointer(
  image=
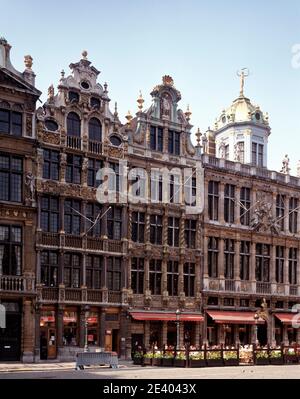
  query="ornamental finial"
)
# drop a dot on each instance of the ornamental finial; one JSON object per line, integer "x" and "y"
{"x": 140, "y": 101}
{"x": 243, "y": 73}
{"x": 84, "y": 54}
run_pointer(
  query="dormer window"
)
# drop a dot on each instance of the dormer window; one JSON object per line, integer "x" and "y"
{"x": 73, "y": 97}
{"x": 156, "y": 138}
{"x": 95, "y": 103}
{"x": 174, "y": 142}
{"x": 11, "y": 122}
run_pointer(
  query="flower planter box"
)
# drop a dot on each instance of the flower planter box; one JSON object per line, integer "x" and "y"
{"x": 278, "y": 360}
{"x": 288, "y": 359}
{"x": 231, "y": 362}
{"x": 179, "y": 363}
{"x": 148, "y": 361}
{"x": 167, "y": 362}
{"x": 215, "y": 362}
{"x": 156, "y": 361}
{"x": 197, "y": 363}
{"x": 262, "y": 361}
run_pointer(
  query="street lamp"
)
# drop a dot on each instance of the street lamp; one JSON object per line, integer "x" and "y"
{"x": 256, "y": 317}
{"x": 177, "y": 322}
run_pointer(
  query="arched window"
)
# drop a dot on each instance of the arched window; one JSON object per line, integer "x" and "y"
{"x": 95, "y": 129}
{"x": 73, "y": 125}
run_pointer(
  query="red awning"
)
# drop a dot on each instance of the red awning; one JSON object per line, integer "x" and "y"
{"x": 223, "y": 317}
{"x": 288, "y": 318}
{"x": 160, "y": 316}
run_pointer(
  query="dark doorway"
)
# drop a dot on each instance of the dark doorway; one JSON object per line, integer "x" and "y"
{"x": 137, "y": 341}
{"x": 262, "y": 334}
{"x": 10, "y": 337}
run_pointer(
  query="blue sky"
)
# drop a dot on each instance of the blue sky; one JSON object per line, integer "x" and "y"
{"x": 200, "y": 44}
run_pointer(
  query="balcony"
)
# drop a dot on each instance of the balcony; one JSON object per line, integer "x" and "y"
{"x": 48, "y": 239}
{"x": 74, "y": 142}
{"x": 293, "y": 290}
{"x": 230, "y": 285}
{"x": 263, "y": 288}
{"x": 80, "y": 295}
{"x": 16, "y": 284}
{"x": 95, "y": 147}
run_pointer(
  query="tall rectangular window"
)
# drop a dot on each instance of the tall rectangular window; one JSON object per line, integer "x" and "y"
{"x": 10, "y": 250}
{"x": 51, "y": 164}
{"x": 213, "y": 200}
{"x": 155, "y": 274}
{"x": 156, "y": 229}
{"x": 156, "y": 186}
{"x": 262, "y": 268}
{"x": 190, "y": 191}
{"x": 114, "y": 274}
{"x": 72, "y": 270}
{"x": 189, "y": 277}
{"x": 213, "y": 256}
{"x": 156, "y": 138}
{"x": 49, "y": 268}
{"x": 173, "y": 142}
{"x": 293, "y": 256}
{"x": 254, "y": 154}
{"x": 72, "y": 218}
{"x": 279, "y": 264}
{"x": 172, "y": 278}
{"x": 138, "y": 227}
{"x": 174, "y": 189}
{"x": 245, "y": 260}
{"x": 73, "y": 168}
{"x": 241, "y": 151}
{"x": 245, "y": 206}
{"x": 93, "y": 213}
{"x": 257, "y": 155}
{"x": 173, "y": 232}
{"x": 280, "y": 210}
{"x": 137, "y": 275}
{"x": 229, "y": 259}
{"x": 229, "y": 203}
{"x": 293, "y": 215}
{"x": 115, "y": 180}
{"x": 11, "y": 122}
{"x": 190, "y": 233}
{"x": 114, "y": 223}
{"x": 94, "y": 265}
{"x": 49, "y": 214}
{"x": 94, "y": 165}
{"x": 11, "y": 178}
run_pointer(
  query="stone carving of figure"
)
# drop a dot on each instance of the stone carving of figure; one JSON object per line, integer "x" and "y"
{"x": 85, "y": 164}
{"x": 50, "y": 93}
{"x": 204, "y": 143}
{"x": 222, "y": 150}
{"x": 262, "y": 218}
{"x": 30, "y": 183}
{"x": 285, "y": 165}
{"x": 166, "y": 106}
{"x": 237, "y": 153}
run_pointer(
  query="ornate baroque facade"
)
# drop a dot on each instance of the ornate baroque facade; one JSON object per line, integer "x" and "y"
{"x": 112, "y": 233}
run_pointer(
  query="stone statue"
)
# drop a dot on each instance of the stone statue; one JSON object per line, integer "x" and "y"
{"x": 262, "y": 219}
{"x": 237, "y": 152}
{"x": 28, "y": 61}
{"x": 285, "y": 165}
{"x": 222, "y": 150}
{"x": 204, "y": 143}
{"x": 85, "y": 164}
{"x": 30, "y": 183}
{"x": 50, "y": 93}
{"x": 166, "y": 106}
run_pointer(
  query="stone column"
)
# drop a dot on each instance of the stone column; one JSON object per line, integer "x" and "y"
{"x": 146, "y": 276}
{"x": 102, "y": 328}
{"x": 28, "y": 331}
{"x": 38, "y": 266}
{"x": 237, "y": 278}
{"x": 237, "y": 196}
{"x": 197, "y": 333}
{"x": 181, "y": 334}
{"x": 181, "y": 277}
{"x": 273, "y": 269}
{"x": 164, "y": 277}
{"x": 164, "y": 333}
{"x": 147, "y": 333}
{"x": 286, "y": 211}
{"x": 37, "y": 333}
{"x": 206, "y": 215}
{"x": 221, "y": 264}
{"x": 221, "y": 202}
{"x": 204, "y": 329}
{"x": 82, "y": 327}
{"x": 205, "y": 263}
{"x": 252, "y": 266}
{"x": 84, "y": 270}
{"x": 60, "y": 325}
{"x": 286, "y": 271}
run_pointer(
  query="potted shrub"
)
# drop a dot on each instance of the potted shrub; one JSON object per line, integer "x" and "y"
{"x": 261, "y": 357}
{"x": 137, "y": 358}
{"x": 197, "y": 359}
{"x": 214, "y": 358}
{"x": 230, "y": 358}
{"x": 167, "y": 359}
{"x": 180, "y": 359}
{"x": 157, "y": 358}
{"x": 148, "y": 358}
{"x": 275, "y": 356}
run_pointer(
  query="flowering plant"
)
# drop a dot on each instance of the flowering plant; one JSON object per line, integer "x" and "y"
{"x": 196, "y": 355}
{"x": 180, "y": 356}
{"x": 262, "y": 354}
{"x": 275, "y": 354}
{"x": 158, "y": 355}
{"x": 149, "y": 355}
{"x": 214, "y": 355}
{"x": 228, "y": 355}
{"x": 168, "y": 355}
